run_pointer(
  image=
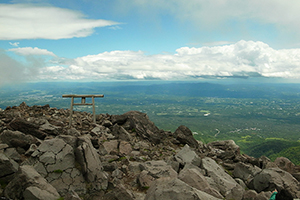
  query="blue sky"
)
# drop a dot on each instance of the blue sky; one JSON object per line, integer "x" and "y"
{"x": 88, "y": 40}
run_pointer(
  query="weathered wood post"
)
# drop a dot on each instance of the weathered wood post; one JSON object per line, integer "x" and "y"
{"x": 83, "y": 103}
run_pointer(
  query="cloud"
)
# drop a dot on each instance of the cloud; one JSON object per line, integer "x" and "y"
{"x": 11, "y": 70}
{"x": 14, "y": 70}
{"x": 234, "y": 17}
{"x": 28, "y": 21}
{"x": 242, "y": 59}
{"x": 15, "y": 44}
{"x": 25, "y": 51}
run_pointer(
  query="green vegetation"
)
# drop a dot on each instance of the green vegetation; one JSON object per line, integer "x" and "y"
{"x": 58, "y": 171}
{"x": 263, "y": 119}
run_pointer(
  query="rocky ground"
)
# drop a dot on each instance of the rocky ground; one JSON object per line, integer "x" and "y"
{"x": 126, "y": 157}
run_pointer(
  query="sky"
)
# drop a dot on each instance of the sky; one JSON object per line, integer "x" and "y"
{"x": 107, "y": 40}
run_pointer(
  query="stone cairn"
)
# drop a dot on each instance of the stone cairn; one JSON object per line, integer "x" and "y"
{"x": 126, "y": 157}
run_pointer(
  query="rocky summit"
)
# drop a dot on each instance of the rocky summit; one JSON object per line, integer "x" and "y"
{"x": 126, "y": 157}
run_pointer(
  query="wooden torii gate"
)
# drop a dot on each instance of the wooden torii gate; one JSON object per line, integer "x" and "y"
{"x": 83, "y": 103}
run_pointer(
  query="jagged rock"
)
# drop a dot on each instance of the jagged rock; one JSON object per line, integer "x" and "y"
{"x": 246, "y": 172}
{"x": 263, "y": 195}
{"x": 269, "y": 179}
{"x": 12, "y": 153}
{"x": 73, "y": 132}
{"x": 118, "y": 119}
{"x": 220, "y": 180}
{"x": 226, "y": 145}
{"x": 236, "y": 193}
{"x": 110, "y": 146}
{"x": 125, "y": 148}
{"x": 241, "y": 183}
{"x": 120, "y": 133}
{"x": 72, "y": 195}
{"x": 70, "y": 140}
{"x": 54, "y": 159}
{"x": 17, "y": 139}
{"x": 118, "y": 193}
{"x": 225, "y": 150}
{"x": 3, "y": 147}
{"x": 7, "y": 168}
{"x": 50, "y": 129}
{"x": 100, "y": 131}
{"x": 185, "y": 136}
{"x": 264, "y": 162}
{"x": 187, "y": 155}
{"x": 175, "y": 189}
{"x": 107, "y": 123}
{"x": 145, "y": 179}
{"x": 135, "y": 167}
{"x": 26, "y": 127}
{"x": 141, "y": 145}
{"x": 153, "y": 170}
{"x": 91, "y": 165}
{"x": 250, "y": 195}
{"x": 28, "y": 184}
{"x": 296, "y": 176}
{"x": 126, "y": 156}
{"x": 193, "y": 177}
{"x": 31, "y": 149}
{"x": 139, "y": 122}
{"x": 285, "y": 164}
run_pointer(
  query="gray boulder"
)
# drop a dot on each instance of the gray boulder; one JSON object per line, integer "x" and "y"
{"x": 72, "y": 195}
{"x": 125, "y": 148}
{"x": 50, "y": 129}
{"x": 246, "y": 172}
{"x": 17, "y": 139}
{"x": 220, "y": 180}
{"x": 111, "y": 145}
{"x": 54, "y": 159}
{"x": 8, "y": 168}
{"x": 120, "y": 133}
{"x": 285, "y": 164}
{"x": 29, "y": 185}
{"x": 90, "y": 163}
{"x": 140, "y": 124}
{"x": 185, "y": 136}
{"x": 175, "y": 189}
{"x": 187, "y": 155}
{"x": 26, "y": 127}
{"x": 225, "y": 150}
{"x": 269, "y": 179}
{"x": 195, "y": 179}
{"x": 153, "y": 170}
{"x": 118, "y": 193}
{"x": 250, "y": 195}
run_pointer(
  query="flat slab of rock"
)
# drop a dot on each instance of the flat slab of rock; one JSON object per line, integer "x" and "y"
{"x": 28, "y": 184}
{"x": 220, "y": 180}
{"x": 175, "y": 189}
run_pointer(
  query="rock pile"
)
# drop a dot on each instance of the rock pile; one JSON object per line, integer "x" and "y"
{"x": 126, "y": 157}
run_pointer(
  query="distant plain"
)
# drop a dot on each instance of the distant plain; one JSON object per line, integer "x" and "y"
{"x": 262, "y": 118}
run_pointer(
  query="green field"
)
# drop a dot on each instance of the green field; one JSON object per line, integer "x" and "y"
{"x": 261, "y": 119}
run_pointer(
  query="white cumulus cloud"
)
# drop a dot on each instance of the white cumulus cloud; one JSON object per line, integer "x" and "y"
{"x": 28, "y": 21}
{"x": 31, "y": 51}
{"x": 239, "y": 60}
{"x": 242, "y": 59}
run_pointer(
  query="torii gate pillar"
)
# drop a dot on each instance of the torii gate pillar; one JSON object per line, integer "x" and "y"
{"x": 83, "y": 103}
